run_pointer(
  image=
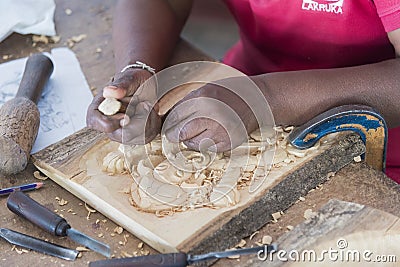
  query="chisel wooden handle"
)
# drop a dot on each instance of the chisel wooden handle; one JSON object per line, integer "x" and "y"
{"x": 20, "y": 118}
{"x": 27, "y": 208}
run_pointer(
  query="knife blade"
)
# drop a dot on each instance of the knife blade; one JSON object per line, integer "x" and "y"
{"x": 38, "y": 245}
{"x": 179, "y": 259}
{"x": 26, "y": 207}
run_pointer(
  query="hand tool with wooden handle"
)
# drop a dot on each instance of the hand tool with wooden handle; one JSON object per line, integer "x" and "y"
{"x": 363, "y": 120}
{"x": 26, "y": 207}
{"x": 181, "y": 259}
{"x": 19, "y": 117}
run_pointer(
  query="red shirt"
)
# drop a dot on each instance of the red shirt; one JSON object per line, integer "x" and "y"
{"x": 278, "y": 35}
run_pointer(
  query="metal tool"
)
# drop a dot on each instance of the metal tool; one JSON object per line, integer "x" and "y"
{"x": 364, "y": 120}
{"x": 23, "y": 205}
{"x": 180, "y": 259}
{"x": 19, "y": 117}
{"x": 38, "y": 245}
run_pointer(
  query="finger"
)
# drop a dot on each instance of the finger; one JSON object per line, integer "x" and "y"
{"x": 183, "y": 130}
{"x": 97, "y": 120}
{"x": 215, "y": 138}
{"x": 107, "y": 124}
{"x": 116, "y": 135}
{"x": 130, "y": 80}
{"x": 114, "y": 92}
{"x": 142, "y": 127}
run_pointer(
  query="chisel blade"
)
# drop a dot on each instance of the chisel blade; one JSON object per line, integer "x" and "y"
{"x": 89, "y": 242}
{"x": 38, "y": 245}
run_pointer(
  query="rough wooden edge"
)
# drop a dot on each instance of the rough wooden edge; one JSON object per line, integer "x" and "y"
{"x": 59, "y": 154}
{"x": 281, "y": 197}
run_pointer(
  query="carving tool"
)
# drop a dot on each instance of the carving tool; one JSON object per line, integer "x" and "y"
{"x": 364, "y": 120}
{"x": 180, "y": 259}
{"x": 19, "y": 117}
{"x": 38, "y": 245}
{"x": 25, "y": 187}
{"x": 26, "y": 207}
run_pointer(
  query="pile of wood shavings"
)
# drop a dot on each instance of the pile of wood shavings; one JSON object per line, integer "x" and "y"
{"x": 207, "y": 180}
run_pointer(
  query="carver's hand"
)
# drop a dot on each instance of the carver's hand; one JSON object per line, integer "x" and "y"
{"x": 130, "y": 128}
{"x": 210, "y": 113}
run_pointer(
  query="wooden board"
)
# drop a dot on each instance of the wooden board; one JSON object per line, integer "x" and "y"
{"x": 199, "y": 230}
{"x": 353, "y": 230}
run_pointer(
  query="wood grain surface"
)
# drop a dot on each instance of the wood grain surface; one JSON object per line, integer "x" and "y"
{"x": 351, "y": 233}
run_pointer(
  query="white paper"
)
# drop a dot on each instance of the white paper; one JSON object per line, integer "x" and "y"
{"x": 64, "y": 99}
{"x": 27, "y": 16}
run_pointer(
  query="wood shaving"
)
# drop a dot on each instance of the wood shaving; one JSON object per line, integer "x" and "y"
{"x": 125, "y": 254}
{"x": 302, "y": 199}
{"x": 39, "y": 176}
{"x": 62, "y": 202}
{"x": 68, "y": 11}
{"x": 330, "y": 174}
{"x": 89, "y": 208}
{"x": 80, "y": 255}
{"x": 253, "y": 235}
{"x": 56, "y": 39}
{"x": 5, "y": 57}
{"x": 82, "y": 249}
{"x": 75, "y": 39}
{"x": 40, "y": 39}
{"x": 241, "y": 244}
{"x": 266, "y": 240}
{"x": 308, "y": 214}
{"x": 78, "y": 38}
{"x": 233, "y": 256}
{"x": 357, "y": 159}
{"x": 100, "y": 235}
{"x": 290, "y": 227}
{"x": 145, "y": 252}
{"x": 140, "y": 245}
{"x": 118, "y": 230}
{"x": 90, "y": 211}
{"x": 276, "y": 216}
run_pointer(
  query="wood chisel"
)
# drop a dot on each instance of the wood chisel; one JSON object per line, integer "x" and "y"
{"x": 26, "y": 207}
{"x": 38, "y": 245}
{"x": 181, "y": 259}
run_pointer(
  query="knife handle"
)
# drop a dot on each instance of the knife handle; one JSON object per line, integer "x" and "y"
{"x": 26, "y": 207}
{"x": 157, "y": 260}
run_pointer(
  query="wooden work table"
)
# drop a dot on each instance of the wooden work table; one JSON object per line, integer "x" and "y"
{"x": 356, "y": 182}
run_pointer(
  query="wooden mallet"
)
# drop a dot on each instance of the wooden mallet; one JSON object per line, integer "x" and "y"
{"x": 20, "y": 118}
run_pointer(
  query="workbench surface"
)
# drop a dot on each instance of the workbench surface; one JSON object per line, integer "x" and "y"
{"x": 356, "y": 182}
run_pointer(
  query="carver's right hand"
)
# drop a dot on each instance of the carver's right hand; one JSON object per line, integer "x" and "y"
{"x": 119, "y": 127}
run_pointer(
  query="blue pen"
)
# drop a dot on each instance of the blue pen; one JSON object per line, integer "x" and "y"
{"x": 25, "y": 187}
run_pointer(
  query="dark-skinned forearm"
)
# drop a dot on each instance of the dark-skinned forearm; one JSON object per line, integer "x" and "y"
{"x": 295, "y": 97}
{"x": 146, "y": 31}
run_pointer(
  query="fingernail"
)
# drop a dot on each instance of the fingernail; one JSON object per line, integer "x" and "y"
{"x": 112, "y": 87}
